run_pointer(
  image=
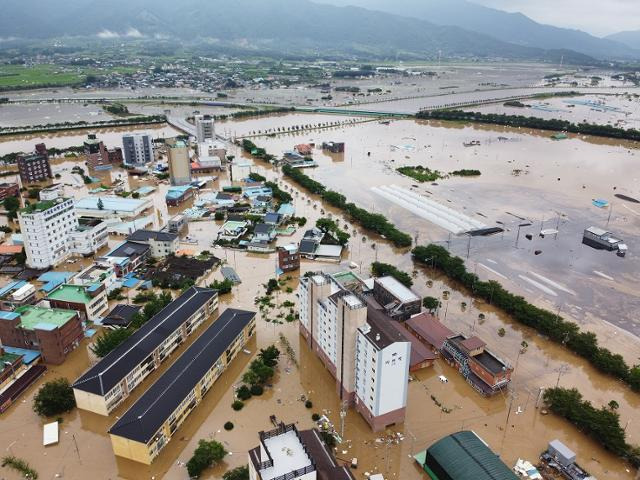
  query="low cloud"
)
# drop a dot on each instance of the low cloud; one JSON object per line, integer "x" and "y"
{"x": 130, "y": 33}
{"x": 133, "y": 33}
{"x": 108, "y": 34}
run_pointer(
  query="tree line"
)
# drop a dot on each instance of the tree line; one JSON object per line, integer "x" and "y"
{"x": 555, "y": 125}
{"x": 371, "y": 221}
{"x": 584, "y": 344}
{"x": 83, "y": 124}
{"x": 602, "y": 424}
{"x": 110, "y": 339}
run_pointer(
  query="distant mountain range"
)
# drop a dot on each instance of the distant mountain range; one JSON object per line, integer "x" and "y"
{"x": 513, "y": 28}
{"x": 631, "y": 38}
{"x": 406, "y": 29}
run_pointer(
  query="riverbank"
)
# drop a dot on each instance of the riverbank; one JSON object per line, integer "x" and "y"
{"x": 82, "y": 125}
{"x": 520, "y": 121}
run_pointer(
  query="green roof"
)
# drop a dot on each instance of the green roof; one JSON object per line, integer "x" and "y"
{"x": 43, "y": 318}
{"x": 9, "y": 358}
{"x": 39, "y": 207}
{"x": 464, "y": 456}
{"x": 42, "y": 205}
{"x": 70, "y": 293}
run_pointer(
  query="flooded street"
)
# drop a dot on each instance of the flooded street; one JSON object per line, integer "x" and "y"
{"x": 608, "y": 307}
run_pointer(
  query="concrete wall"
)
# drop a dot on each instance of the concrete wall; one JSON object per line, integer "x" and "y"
{"x": 90, "y": 402}
{"x": 126, "y": 448}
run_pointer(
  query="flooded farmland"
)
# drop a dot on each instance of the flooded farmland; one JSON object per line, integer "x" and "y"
{"x": 548, "y": 190}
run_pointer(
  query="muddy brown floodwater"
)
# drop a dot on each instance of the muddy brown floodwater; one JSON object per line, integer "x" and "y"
{"x": 85, "y": 449}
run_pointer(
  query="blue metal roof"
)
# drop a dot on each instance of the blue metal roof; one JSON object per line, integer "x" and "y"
{"x": 8, "y": 315}
{"x": 28, "y": 356}
{"x": 55, "y": 276}
{"x": 11, "y": 287}
{"x": 52, "y": 285}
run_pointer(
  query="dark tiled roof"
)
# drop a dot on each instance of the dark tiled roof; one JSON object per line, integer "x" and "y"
{"x": 109, "y": 371}
{"x": 146, "y": 416}
{"x": 378, "y": 335}
{"x": 146, "y": 235}
{"x": 129, "y": 249}
{"x": 263, "y": 228}
{"x": 326, "y": 466}
{"x": 308, "y": 246}
{"x": 121, "y": 315}
{"x": 473, "y": 343}
{"x": 491, "y": 363}
{"x": 272, "y": 218}
{"x": 429, "y": 328}
{"x": 394, "y": 330}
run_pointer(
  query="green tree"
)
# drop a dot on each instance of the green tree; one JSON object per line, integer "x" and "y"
{"x": 100, "y": 204}
{"x": 207, "y": 454}
{"x": 250, "y": 377}
{"x": 269, "y": 355}
{"x": 379, "y": 269}
{"x": 53, "y": 398}
{"x": 11, "y": 204}
{"x": 262, "y": 371}
{"x": 224, "y": 286}
{"x": 238, "y": 473}
{"x": 431, "y": 303}
{"x": 109, "y": 340}
{"x": 243, "y": 393}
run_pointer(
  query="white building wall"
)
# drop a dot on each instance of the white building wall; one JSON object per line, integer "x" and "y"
{"x": 160, "y": 249}
{"x": 382, "y": 376}
{"x": 205, "y": 128}
{"x": 47, "y": 234}
{"x": 88, "y": 242}
{"x": 327, "y": 313}
{"x": 304, "y": 297}
{"x": 392, "y": 381}
{"x": 98, "y": 307}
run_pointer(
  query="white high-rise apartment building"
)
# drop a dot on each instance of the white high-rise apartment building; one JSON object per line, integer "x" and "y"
{"x": 382, "y": 376}
{"x": 371, "y": 368}
{"x": 138, "y": 149}
{"x": 205, "y": 128}
{"x": 46, "y": 229}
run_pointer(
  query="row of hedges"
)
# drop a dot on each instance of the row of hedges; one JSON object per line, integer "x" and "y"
{"x": 602, "y": 424}
{"x": 533, "y": 122}
{"x": 584, "y": 344}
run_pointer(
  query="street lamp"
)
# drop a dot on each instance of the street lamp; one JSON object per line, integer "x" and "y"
{"x": 526, "y": 224}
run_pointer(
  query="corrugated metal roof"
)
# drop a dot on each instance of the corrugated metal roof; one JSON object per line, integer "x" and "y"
{"x": 464, "y": 456}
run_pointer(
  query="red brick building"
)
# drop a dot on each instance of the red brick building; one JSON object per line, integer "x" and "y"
{"x": 54, "y": 333}
{"x": 9, "y": 190}
{"x": 288, "y": 258}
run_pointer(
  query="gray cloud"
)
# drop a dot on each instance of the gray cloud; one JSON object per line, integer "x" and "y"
{"x": 599, "y": 17}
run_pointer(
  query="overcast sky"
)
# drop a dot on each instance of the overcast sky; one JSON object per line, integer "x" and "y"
{"x": 598, "y": 17}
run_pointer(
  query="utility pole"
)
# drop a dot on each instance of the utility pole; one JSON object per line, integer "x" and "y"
{"x": 506, "y": 423}
{"x": 343, "y": 414}
{"x": 562, "y": 370}
{"x": 413, "y": 439}
{"x": 76, "y": 445}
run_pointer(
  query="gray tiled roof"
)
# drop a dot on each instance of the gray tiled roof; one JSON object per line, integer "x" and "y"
{"x": 141, "y": 422}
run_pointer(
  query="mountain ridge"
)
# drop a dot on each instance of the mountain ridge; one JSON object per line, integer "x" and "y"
{"x": 289, "y": 25}
{"x": 509, "y": 27}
